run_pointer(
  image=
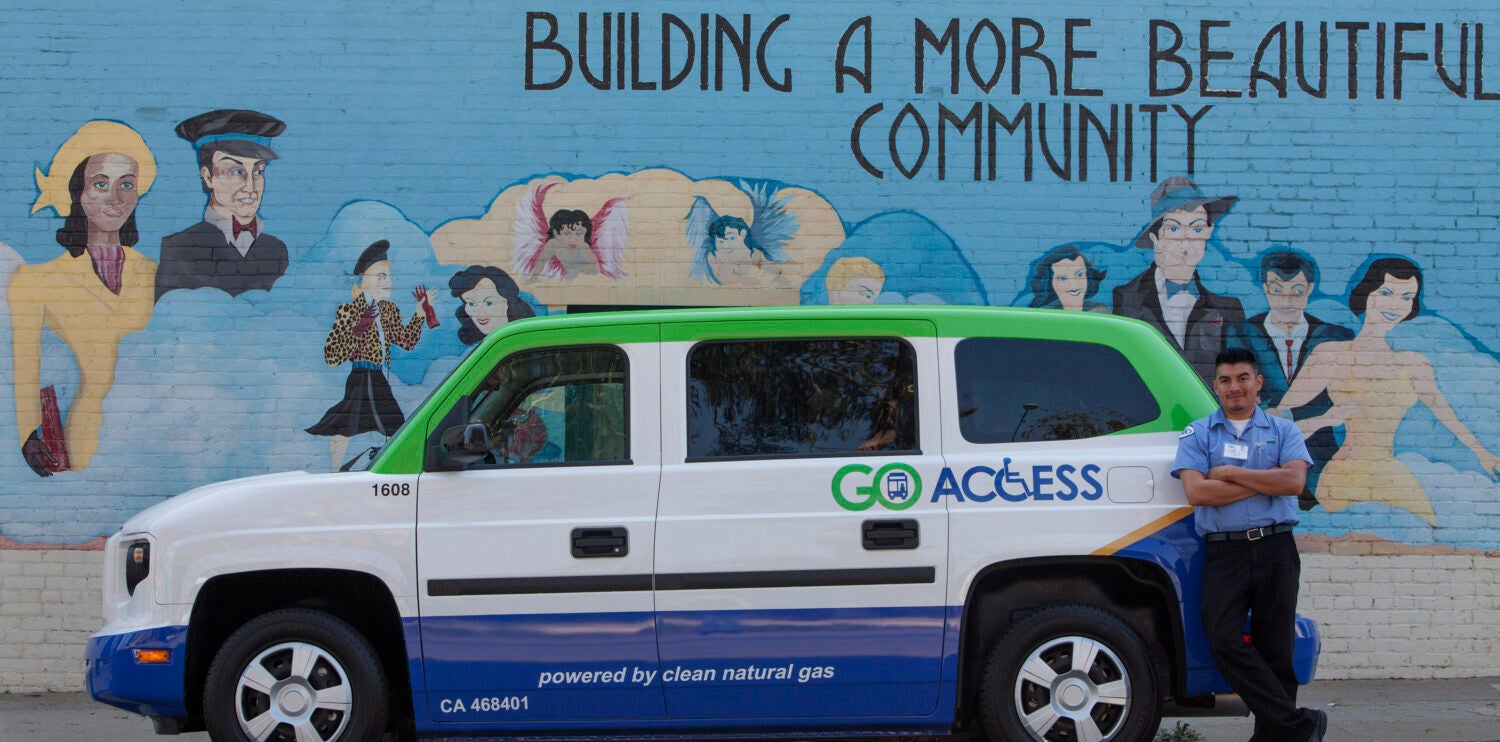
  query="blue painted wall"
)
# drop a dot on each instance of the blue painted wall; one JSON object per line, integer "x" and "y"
{"x": 416, "y": 124}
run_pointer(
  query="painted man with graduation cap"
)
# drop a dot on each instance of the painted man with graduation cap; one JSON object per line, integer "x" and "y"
{"x": 1169, "y": 294}
{"x": 229, "y": 249}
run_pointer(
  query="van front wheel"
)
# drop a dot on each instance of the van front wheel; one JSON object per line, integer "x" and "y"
{"x": 294, "y": 675}
{"x": 1071, "y": 673}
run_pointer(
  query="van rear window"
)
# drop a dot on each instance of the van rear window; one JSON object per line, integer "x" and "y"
{"x": 1046, "y": 390}
{"x": 814, "y": 397}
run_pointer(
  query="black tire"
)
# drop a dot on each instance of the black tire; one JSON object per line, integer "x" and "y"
{"x": 1116, "y": 697}
{"x": 296, "y": 668}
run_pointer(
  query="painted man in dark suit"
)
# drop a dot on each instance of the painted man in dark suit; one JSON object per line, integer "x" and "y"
{"x": 1169, "y": 294}
{"x": 1283, "y": 337}
{"x": 229, "y": 249}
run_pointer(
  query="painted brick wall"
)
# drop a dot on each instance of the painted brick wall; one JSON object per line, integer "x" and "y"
{"x": 448, "y": 130}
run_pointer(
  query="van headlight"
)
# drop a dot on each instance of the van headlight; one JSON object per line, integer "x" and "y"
{"x": 137, "y": 564}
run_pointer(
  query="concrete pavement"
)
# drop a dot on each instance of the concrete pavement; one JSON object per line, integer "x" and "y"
{"x": 1465, "y": 710}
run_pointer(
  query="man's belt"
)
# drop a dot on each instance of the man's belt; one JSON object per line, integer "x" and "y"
{"x": 1254, "y": 534}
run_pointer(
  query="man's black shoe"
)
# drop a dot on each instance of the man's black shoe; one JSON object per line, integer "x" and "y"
{"x": 1322, "y": 719}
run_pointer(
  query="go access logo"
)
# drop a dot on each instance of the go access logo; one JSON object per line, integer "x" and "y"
{"x": 895, "y": 486}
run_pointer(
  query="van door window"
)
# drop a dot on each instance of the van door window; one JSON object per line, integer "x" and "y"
{"x": 555, "y": 406}
{"x": 815, "y": 397}
{"x": 1046, "y": 390}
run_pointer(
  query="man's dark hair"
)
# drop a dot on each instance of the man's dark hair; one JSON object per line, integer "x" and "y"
{"x": 1286, "y": 264}
{"x": 1233, "y": 356}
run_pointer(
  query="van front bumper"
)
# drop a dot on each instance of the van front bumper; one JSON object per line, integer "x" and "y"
{"x": 116, "y": 677}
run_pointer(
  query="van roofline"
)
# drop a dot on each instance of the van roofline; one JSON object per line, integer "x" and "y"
{"x": 939, "y": 314}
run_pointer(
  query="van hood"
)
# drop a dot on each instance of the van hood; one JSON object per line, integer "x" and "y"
{"x": 210, "y": 500}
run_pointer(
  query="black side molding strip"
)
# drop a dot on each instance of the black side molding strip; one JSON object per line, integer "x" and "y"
{"x": 539, "y": 585}
{"x": 797, "y": 578}
{"x": 684, "y": 581}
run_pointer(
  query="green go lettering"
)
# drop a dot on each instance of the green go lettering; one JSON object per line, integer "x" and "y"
{"x": 895, "y": 486}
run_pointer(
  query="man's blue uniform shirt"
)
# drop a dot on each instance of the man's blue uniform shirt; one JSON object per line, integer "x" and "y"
{"x": 1268, "y": 442}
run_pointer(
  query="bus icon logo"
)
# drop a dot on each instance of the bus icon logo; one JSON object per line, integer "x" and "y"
{"x": 897, "y": 486}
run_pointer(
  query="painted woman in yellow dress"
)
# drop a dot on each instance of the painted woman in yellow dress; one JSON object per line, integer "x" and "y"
{"x": 1373, "y": 386}
{"x": 95, "y": 293}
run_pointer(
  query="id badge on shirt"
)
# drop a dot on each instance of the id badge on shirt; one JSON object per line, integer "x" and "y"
{"x": 1237, "y": 451}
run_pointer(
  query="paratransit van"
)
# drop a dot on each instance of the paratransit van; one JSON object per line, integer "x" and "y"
{"x": 788, "y": 522}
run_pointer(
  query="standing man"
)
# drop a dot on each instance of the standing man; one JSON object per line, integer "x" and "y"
{"x": 1242, "y": 470}
{"x": 1169, "y": 294}
{"x": 1283, "y": 337}
{"x": 229, "y": 249}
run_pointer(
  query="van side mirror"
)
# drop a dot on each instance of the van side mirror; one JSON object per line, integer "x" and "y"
{"x": 460, "y": 446}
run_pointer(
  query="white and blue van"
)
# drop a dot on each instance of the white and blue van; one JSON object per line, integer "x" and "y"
{"x": 780, "y": 522}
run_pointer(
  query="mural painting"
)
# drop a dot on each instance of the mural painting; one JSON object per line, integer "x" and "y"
{"x": 1372, "y": 387}
{"x": 1368, "y": 312}
{"x": 229, "y": 250}
{"x": 570, "y": 242}
{"x": 854, "y": 281}
{"x": 1065, "y": 279}
{"x": 364, "y": 329}
{"x": 1282, "y": 337}
{"x": 490, "y": 299}
{"x": 90, "y": 297}
{"x": 1169, "y": 295}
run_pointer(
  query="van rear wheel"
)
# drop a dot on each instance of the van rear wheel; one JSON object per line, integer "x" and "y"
{"x": 1071, "y": 673}
{"x": 295, "y": 675}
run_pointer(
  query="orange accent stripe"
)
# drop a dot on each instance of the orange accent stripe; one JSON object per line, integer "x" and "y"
{"x": 1156, "y": 525}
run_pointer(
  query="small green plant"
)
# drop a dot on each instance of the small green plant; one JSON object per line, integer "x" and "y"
{"x": 1180, "y": 733}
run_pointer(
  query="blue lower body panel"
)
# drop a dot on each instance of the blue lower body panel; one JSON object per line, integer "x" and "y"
{"x": 846, "y": 672}
{"x": 115, "y": 678}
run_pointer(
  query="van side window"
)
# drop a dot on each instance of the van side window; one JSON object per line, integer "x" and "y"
{"x": 816, "y": 397}
{"x": 1046, "y": 390}
{"x": 555, "y": 406}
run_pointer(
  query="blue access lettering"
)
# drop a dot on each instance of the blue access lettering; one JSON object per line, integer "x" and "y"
{"x": 1044, "y": 482}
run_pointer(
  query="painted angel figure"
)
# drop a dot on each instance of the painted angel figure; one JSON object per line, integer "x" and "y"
{"x": 729, "y": 252}
{"x": 570, "y": 243}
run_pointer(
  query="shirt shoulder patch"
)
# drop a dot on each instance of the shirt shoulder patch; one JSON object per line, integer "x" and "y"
{"x": 1186, "y": 432}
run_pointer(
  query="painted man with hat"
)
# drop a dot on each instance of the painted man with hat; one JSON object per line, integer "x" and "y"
{"x": 229, "y": 249}
{"x": 363, "y": 331}
{"x": 1169, "y": 294}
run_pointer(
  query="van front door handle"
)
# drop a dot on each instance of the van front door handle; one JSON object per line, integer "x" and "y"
{"x": 594, "y": 543}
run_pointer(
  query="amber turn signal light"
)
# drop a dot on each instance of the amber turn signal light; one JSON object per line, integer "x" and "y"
{"x": 153, "y": 656}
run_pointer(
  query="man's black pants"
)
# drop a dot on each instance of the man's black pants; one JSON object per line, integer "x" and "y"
{"x": 1258, "y": 578}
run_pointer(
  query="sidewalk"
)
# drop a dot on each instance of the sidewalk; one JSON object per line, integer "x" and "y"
{"x": 1466, "y": 710}
{"x": 1358, "y": 710}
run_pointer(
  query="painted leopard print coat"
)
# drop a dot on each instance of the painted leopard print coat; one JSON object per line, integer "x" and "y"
{"x": 343, "y": 345}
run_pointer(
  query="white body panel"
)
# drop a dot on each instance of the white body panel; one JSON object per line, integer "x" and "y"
{"x": 767, "y": 521}
{"x": 280, "y": 521}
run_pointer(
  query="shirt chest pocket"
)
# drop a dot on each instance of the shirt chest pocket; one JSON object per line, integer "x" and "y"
{"x": 1263, "y": 455}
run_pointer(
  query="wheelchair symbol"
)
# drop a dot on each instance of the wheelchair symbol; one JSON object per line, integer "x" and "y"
{"x": 1006, "y": 476}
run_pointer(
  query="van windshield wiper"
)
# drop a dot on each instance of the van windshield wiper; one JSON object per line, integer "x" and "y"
{"x": 368, "y": 455}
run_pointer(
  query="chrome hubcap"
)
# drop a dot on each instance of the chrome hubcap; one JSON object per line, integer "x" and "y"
{"x": 293, "y": 692}
{"x": 1072, "y": 688}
